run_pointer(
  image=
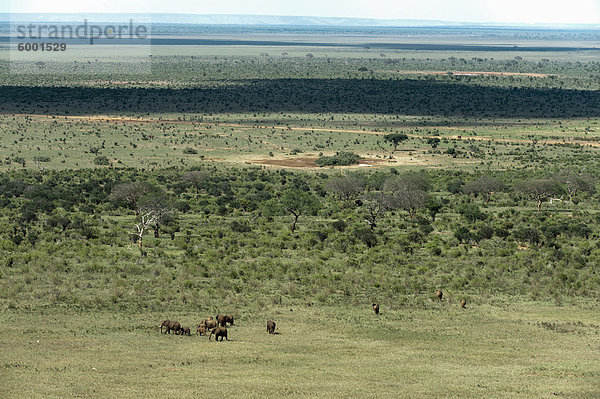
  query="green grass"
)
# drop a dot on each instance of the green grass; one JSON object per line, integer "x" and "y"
{"x": 160, "y": 140}
{"x": 522, "y": 350}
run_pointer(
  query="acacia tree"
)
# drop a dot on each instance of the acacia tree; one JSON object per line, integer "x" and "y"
{"x": 575, "y": 183}
{"x": 195, "y": 178}
{"x": 299, "y": 202}
{"x": 540, "y": 190}
{"x": 395, "y": 138}
{"x": 484, "y": 186}
{"x": 433, "y": 205}
{"x": 130, "y": 193}
{"x": 345, "y": 188}
{"x": 407, "y": 192}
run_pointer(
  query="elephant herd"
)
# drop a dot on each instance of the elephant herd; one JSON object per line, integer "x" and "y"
{"x": 208, "y": 326}
{"x": 218, "y": 326}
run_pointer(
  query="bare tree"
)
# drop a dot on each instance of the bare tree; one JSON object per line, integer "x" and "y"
{"x": 575, "y": 183}
{"x": 38, "y": 165}
{"x": 375, "y": 204}
{"x": 154, "y": 209}
{"x": 407, "y": 192}
{"x": 145, "y": 220}
{"x": 345, "y": 188}
{"x": 160, "y": 205}
{"x": 130, "y": 193}
{"x": 410, "y": 201}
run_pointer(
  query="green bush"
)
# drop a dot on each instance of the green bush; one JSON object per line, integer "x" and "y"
{"x": 339, "y": 225}
{"x": 190, "y": 150}
{"x": 366, "y": 236}
{"x": 240, "y": 227}
{"x": 101, "y": 160}
{"x": 471, "y": 212}
{"x": 462, "y": 234}
{"x": 340, "y": 159}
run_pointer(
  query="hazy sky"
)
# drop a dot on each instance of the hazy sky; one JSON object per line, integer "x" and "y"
{"x": 517, "y": 11}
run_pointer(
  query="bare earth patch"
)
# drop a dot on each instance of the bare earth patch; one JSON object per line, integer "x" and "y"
{"x": 310, "y": 162}
{"x": 290, "y": 162}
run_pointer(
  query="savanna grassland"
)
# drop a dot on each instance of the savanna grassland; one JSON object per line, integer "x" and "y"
{"x": 464, "y": 160}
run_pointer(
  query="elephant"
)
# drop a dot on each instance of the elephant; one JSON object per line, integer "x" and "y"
{"x": 376, "y": 308}
{"x": 210, "y": 324}
{"x": 219, "y": 332}
{"x": 201, "y": 329}
{"x": 224, "y": 319}
{"x": 185, "y": 331}
{"x": 173, "y": 326}
{"x": 271, "y": 327}
{"x": 165, "y": 324}
{"x": 439, "y": 294}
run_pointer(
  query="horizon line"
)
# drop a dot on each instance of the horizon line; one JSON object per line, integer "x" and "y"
{"x": 386, "y": 22}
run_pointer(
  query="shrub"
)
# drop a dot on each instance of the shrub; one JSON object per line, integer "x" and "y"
{"x": 484, "y": 233}
{"x": 339, "y": 225}
{"x": 190, "y": 150}
{"x": 101, "y": 160}
{"x": 366, "y": 236}
{"x": 415, "y": 236}
{"x": 240, "y": 227}
{"x": 433, "y": 142}
{"x": 321, "y": 234}
{"x": 471, "y": 212}
{"x": 527, "y": 234}
{"x": 462, "y": 234}
{"x": 454, "y": 186}
{"x": 340, "y": 159}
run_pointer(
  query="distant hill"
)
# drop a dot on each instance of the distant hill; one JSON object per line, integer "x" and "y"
{"x": 274, "y": 20}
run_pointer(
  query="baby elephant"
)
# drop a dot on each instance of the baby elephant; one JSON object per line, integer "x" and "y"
{"x": 376, "y": 308}
{"x": 210, "y": 324}
{"x": 271, "y": 327}
{"x": 219, "y": 332}
{"x": 185, "y": 331}
{"x": 201, "y": 329}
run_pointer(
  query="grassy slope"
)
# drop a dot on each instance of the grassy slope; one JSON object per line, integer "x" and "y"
{"x": 520, "y": 350}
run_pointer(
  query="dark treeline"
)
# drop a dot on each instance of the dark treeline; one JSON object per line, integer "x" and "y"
{"x": 404, "y": 97}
